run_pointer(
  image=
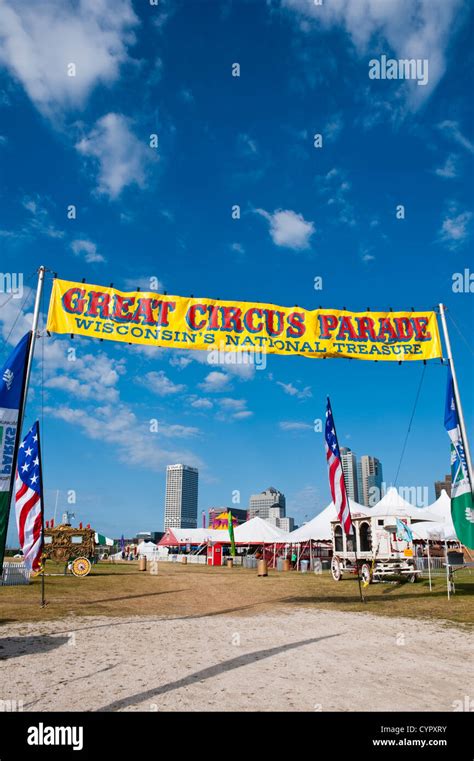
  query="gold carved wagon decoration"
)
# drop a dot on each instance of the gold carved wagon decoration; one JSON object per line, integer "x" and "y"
{"x": 72, "y": 546}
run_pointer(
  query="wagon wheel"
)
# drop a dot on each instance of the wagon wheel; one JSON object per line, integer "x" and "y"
{"x": 81, "y": 567}
{"x": 366, "y": 573}
{"x": 336, "y": 568}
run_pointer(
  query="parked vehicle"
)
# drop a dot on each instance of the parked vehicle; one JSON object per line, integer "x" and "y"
{"x": 374, "y": 551}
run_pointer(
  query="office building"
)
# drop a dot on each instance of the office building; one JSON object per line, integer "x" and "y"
{"x": 440, "y": 485}
{"x": 260, "y": 504}
{"x": 181, "y": 502}
{"x": 370, "y": 479}
{"x": 349, "y": 466}
{"x": 286, "y": 524}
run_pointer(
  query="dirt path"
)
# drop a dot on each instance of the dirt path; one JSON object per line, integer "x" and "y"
{"x": 303, "y": 660}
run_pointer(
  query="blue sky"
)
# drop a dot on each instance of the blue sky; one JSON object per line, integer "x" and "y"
{"x": 165, "y": 213}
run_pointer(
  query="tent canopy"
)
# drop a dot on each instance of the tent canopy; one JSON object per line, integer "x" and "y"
{"x": 258, "y": 531}
{"x": 196, "y": 536}
{"x": 392, "y": 503}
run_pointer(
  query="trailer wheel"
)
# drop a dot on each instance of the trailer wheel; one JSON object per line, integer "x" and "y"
{"x": 336, "y": 568}
{"x": 366, "y": 573}
{"x": 81, "y": 567}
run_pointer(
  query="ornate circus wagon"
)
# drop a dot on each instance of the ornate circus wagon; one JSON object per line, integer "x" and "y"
{"x": 379, "y": 552}
{"x": 77, "y": 548}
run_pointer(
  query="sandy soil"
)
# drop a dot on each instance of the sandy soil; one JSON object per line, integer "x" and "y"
{"x": 299, "y": 661}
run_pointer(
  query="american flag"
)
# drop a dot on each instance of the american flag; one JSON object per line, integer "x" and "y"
{"x": 29, "y": 499}
{"x": 336, "y": 473}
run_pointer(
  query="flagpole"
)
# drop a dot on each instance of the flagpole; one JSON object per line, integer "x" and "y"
{"x": 34, "y": 330}
{"x": 362, "y": 598}
{"x": 457, "y": 396}
{"x": 43, "y": 600}
{"x": 429, "y": 560}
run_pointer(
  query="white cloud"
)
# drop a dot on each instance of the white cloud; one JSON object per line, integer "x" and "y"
{"x": 13, "y": 325}
{"x": 88, "y": 249}
{"x": 175, "y": 430}
{"x": 160, "y": 384}
{"x": 294, "y": 425}
{"x": 39, "y": 40}
{"x": 455, "y": 226}
{"x": 121, "y": 157}
{"x": 201, "y": 403}
{"x": 366, "y": 254}
{"x": 449, "y": 170}
{"x": 247, "y": 146}
{"x": 409, "y": 28}
{"x": 39, "y": 220}
{"x": 146, "y": 284}
{"x": 133, "y": 443}
{"x": 289, "y": 229}
{"x": 233, "y": 409}
{"x": 452, "y": 130}
{"x": 292, "y": 390}
{"x": 85, "y": 376}
{"x": 235, "y": 405}
{"x": 333, "y": 127}
{"x": 336, "y": 188}
{"x": 180, "y": 362}
{"x": 186, "y": 95}
{"x": 242, "y": 415}
{"x": 213, "y": 358}
{"x": 215, "y": 382}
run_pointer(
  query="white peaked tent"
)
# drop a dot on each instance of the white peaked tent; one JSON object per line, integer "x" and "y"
{"x": 258, "y": 531}
{"x": 442, "y": 525}
{"x": 147, "y": 549}
{"x": 178, "y": 536}
{"x": 435, "y": 530}
{"x": 392, "y": 503}
{"x": 442, "y": 507}
{"x": 319, "y": 528}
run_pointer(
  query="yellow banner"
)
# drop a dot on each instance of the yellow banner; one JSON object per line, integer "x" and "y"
{"x": 190, "y": 323}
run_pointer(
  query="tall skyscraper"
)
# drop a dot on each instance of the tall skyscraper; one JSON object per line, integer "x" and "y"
{"x": 181, "y": 503}
{"x": 260, "y": 504}
{"x": 349, "y": 466}
{"x": 370, "y": 480}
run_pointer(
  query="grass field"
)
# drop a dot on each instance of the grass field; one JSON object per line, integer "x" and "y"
{"x": 190, "y": 590}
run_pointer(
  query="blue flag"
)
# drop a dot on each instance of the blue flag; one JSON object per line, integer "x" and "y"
{"x": 12, "y": 382}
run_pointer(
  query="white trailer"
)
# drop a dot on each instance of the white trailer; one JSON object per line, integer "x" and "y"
{"x": 378, "y": 554}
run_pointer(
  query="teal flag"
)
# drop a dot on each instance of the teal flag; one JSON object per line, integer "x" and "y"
{"x": 231, "y": 533}
{"x": 462, "y": 508}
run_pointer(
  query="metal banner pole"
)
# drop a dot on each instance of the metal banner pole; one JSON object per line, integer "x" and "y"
{"x": 462, "y": 424}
